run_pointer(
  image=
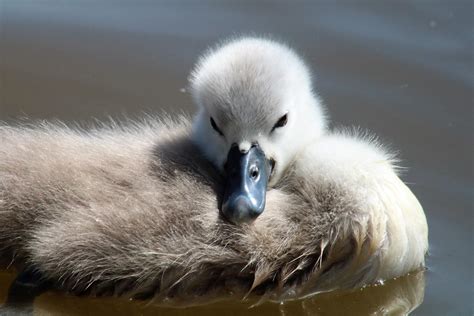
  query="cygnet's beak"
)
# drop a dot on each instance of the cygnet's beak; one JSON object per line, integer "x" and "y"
{"x": 247, "y": 175}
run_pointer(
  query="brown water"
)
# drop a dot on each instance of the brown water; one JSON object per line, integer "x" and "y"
{"x": 402, "y": 70}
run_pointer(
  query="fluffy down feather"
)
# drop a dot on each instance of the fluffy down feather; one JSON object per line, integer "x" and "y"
{"x": 134, "y": 211}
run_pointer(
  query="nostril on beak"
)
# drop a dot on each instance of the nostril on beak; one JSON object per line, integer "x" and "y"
{"x": 254, "y": 172}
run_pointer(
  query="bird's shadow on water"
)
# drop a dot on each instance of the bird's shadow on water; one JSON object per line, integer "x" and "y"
{"x": 396, "y": 297}
{"x": 21, "y": 295}
{"x": 399, "y": 296}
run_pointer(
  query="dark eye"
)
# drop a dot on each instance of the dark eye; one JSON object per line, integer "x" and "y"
{"x": 281, "y": 122}
{"x": 214, "y": 126}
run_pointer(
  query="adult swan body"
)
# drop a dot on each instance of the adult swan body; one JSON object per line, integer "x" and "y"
{"x": 253, "y": 195}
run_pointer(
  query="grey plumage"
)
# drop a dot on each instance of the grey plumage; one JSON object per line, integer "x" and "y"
{"x": 134, "y": 210}
{"x": 114, "y": 209}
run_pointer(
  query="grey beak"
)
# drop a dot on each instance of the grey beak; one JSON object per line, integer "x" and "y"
{"x": 246, "y": 184}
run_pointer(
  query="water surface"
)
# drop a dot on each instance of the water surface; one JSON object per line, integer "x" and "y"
{"x": 402, "y": 70}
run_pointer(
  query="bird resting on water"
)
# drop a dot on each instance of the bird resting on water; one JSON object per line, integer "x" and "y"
{"x": 253, "y": 195}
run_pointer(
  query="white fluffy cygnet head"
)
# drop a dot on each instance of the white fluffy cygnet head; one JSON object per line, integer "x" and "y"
{"x": 254, "y": 91}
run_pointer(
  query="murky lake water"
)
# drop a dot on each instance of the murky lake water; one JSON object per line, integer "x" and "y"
{"x": 401, "y": 70}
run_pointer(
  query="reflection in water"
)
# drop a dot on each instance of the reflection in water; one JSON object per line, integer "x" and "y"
{"x": 395, "y": 297}
{"x": 22, "y": 292}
